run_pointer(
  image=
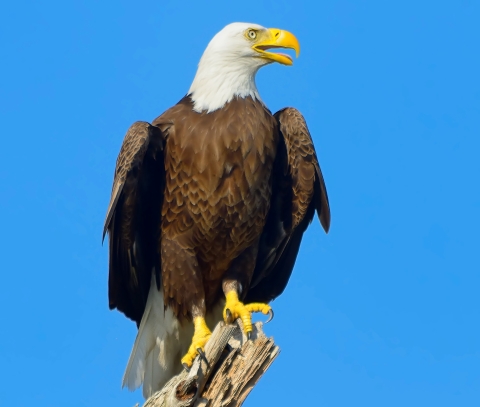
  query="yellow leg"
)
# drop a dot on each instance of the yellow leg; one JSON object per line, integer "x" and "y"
{"x": 201, "y": 335}
{"x": 235, "y": 309}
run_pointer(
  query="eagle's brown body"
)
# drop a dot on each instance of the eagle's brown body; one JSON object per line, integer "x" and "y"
{"x": 196, "y": 196}
{"x": 216, "y": 198}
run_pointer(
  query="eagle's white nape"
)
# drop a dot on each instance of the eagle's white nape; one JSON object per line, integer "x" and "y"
{"x": 227, "y": 69}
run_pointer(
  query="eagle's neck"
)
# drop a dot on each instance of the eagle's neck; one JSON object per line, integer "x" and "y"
{"x": 217, "y": 82}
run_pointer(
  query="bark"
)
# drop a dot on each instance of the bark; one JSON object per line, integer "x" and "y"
{"x": 234, "y": 367}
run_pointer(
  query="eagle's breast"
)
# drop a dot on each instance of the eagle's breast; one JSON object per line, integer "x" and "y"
{"x": 218, "y": 178}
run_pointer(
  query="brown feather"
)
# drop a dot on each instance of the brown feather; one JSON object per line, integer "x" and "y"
{"x": 209, "y": 198}
{"x": 298, "y": 190}
{"x": 131, "y": 238}
{"x": 218, "y": 186}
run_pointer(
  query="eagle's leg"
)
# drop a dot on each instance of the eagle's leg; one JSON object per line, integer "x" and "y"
{"x": 236, "y": 280}
{"x": 184, "y": 292}
{"x": 200, "y": 337}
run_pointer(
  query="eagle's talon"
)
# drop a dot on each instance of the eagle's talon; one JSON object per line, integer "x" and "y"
{"x": 186, "y": 367}
{"x": 270, "y": 316}
{"x": 228, "y": 316}
{"x": 203, "y": 356}
{"x": 249, "y": 336}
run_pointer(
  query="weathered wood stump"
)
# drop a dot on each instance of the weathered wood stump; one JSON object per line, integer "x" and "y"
{"x": 234, "y": 367}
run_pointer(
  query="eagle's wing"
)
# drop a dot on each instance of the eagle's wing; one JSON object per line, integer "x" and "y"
{"x": 133, "y": 219}
{"x": 298, "y": 190}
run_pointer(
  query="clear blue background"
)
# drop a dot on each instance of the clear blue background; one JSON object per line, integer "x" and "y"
{"x": 384, "y": 311}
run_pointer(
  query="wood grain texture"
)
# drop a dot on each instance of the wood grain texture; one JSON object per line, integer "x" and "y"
{"x": 235, "y": 367}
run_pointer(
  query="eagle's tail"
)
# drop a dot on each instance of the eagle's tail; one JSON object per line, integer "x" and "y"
{"x": 159, "y": 346}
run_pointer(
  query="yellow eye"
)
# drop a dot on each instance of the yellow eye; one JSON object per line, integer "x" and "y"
{"x": 252, "y": 34}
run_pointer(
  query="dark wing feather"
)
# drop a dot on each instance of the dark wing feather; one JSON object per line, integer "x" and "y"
{"x": 133, "y": 219}
{"x": 298, "y": 189}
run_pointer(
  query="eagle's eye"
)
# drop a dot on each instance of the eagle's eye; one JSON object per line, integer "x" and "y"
{"x": 252, "y": 34}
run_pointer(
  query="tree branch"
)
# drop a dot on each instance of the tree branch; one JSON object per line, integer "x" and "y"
{"x": 234, "y": 367}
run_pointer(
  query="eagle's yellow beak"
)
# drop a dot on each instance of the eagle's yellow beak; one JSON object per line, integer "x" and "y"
{"x": 275, "y": 38}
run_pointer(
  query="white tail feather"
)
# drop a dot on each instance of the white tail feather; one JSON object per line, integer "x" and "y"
{"x": 158, "y": 347}
{"x": 160, "y": 344}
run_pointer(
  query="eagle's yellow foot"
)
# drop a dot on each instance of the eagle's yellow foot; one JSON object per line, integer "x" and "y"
{"x": 200, "y": 337}
{"x": 235, "y": 309}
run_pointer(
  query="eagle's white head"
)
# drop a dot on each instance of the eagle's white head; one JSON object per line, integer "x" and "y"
{"x": 232, "y": 58}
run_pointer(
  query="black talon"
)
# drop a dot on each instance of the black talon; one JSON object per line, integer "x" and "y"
{"x": 186, "y": 367}
{"x": 249, "y": 336}
{"x": 203, "y": 356}
{"x": 270, "y": 316}
{"x": 229, "y": 316}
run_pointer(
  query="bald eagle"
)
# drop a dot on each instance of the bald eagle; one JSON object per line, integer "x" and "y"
{"x": 208, "y": 207}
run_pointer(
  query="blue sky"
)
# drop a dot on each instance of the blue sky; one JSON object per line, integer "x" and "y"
{"x": 383, "y": 311}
